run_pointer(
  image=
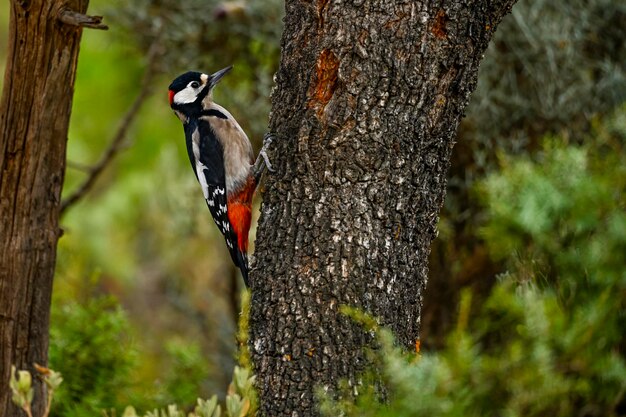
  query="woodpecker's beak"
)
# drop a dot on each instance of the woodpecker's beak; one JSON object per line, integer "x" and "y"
{"x": 216, "y": 77}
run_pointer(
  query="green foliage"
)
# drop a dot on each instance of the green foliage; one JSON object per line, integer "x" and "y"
{"x": 22, "y": 390}
{"x": 90, "y": 344}
{"x": 563, "y": 215}
{"x": 548, "y": 341}
{"x": 241, "y": 401}
{"x": 90, "y": 347}
{"x": 187, "y": 370}
{"x": 550, "y": 66}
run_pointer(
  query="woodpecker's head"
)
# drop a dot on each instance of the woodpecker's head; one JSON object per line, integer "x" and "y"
{"x": 188, "y": 91}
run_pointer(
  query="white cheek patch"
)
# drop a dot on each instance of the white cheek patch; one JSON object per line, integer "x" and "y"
{"x": 186, "y": 95}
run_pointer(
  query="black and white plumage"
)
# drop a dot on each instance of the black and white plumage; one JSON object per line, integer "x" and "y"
{"x": 222, "y": 158}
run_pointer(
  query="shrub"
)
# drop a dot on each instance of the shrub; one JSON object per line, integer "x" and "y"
{"x": 89, "y": 345}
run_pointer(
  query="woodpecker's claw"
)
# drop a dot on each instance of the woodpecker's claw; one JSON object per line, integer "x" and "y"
{"x": 262, "y": 161}
{"x": 268, "y": 138}
{"x": 268, "y": 165}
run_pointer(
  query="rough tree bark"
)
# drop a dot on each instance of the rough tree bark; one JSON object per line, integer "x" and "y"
{"x": 34, "y": 117}
{"x": 369, "y": 97}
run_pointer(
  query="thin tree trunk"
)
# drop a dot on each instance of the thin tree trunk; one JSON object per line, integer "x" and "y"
{"x": 369, "y": 97}
{"x": 34, "y": 117}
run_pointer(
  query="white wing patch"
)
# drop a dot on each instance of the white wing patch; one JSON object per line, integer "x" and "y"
{"x": 200, "y": 167}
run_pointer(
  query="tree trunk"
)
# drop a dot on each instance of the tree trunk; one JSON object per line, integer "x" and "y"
{"x": 34, "y": 117}
{"x": 369, "y": 97}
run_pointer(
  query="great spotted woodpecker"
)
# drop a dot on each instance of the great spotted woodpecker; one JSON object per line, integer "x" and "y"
{"x": 221, "y": 157}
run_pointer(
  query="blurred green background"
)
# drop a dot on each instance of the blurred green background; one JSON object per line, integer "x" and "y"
{"x": 531, "y": 251}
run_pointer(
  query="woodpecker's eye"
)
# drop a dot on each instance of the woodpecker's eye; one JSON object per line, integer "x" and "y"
{"x": 194, "y": 84}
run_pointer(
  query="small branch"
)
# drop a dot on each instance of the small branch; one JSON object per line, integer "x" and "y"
{"x": 117, "y": 142}
{"x": 46, "y": 412}
{"x": 70, "y": 17}
{"x": 78, "y": 166}
{"x": 27, "y": 410}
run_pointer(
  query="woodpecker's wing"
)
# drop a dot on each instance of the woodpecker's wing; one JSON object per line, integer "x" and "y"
{"x": 206, "y": 157}
{"x": 205, "y": 154}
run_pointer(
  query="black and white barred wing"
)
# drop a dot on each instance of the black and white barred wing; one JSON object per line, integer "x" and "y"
{"x": 216, "y": 202}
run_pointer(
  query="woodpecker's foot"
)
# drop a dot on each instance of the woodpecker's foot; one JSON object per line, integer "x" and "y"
{"x": 268, "y": 138}
{"x": 262, "y": 161}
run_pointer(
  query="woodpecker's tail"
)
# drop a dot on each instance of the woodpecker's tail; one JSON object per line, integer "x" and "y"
{"x": 242, "y": 263}
{"x": 240, "y": 259}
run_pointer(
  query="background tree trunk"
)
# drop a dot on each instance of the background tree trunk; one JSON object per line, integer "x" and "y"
{"x": 34, "y": 119}
{"x": 369, "y": 97}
